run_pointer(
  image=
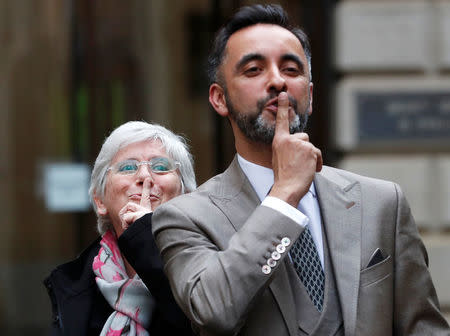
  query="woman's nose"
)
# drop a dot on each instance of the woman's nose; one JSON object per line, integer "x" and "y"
{"x": 143, "y": 172}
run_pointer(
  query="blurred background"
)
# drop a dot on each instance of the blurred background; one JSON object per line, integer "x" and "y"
{"x": 73, "y": 70}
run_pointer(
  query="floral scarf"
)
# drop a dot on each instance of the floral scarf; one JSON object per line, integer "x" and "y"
{"x": 132, "y": 302}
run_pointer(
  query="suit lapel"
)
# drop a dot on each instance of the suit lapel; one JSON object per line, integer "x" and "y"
{"x": 340, "y": 205}
{"x": 237, "y": 200}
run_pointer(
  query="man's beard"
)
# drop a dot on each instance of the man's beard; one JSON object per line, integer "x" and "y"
{"x": 257, "y": 129}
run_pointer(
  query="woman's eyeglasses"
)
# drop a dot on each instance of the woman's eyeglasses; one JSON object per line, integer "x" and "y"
{"x": 158, "y": 165}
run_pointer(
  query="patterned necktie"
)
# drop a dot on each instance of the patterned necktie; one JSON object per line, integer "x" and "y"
{"x": 307, "y": 265}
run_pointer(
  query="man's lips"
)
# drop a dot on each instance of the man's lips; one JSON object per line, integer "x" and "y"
{"x": 272, "y": 105}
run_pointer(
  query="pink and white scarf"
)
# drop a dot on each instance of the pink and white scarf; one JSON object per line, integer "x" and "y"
{"x": 130, "y": 298}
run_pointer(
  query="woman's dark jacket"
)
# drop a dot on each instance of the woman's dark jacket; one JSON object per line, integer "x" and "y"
{"x": 78, "y": 306}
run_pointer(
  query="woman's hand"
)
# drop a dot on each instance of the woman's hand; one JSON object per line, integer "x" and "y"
{"x": 133, "y": 211}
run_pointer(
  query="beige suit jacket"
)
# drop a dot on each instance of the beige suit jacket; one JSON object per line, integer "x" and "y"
{"x": 215, "y": 241}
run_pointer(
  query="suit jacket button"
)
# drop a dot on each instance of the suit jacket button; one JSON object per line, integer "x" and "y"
{"x": 285, "y": 241}
{"x": 281, "y": 248}
{"x": 266, "y": 269}
{"x": 272, "y": 263}
{"x": 276, "y": 255}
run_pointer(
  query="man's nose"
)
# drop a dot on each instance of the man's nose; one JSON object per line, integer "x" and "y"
{"x": 276, "y": 81}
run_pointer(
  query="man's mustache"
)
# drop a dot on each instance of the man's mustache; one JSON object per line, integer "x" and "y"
{"x": 263, "y": 101}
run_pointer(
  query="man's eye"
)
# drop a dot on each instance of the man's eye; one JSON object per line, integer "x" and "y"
{"x": 291, "y": 70}
{"x": 252, "y": 71}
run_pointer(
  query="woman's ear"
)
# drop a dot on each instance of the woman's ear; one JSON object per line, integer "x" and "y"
{"x": 101, "y": 207}
{"x": 217, "y": 99}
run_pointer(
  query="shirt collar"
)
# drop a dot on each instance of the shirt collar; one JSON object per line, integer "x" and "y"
{"x": 261, "y": 178}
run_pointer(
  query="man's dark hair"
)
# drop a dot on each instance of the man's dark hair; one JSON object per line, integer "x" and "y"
{"x": 245, "y": 17}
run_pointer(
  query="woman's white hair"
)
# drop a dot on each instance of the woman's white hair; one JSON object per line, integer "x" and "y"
{"x": 132, "y": 132}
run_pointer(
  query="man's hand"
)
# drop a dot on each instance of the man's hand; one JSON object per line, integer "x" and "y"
{"x": 294, "y": 159}
{"x": 133, "y": 211}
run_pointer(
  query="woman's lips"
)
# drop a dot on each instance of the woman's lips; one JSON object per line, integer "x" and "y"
{"x": 137, "y": 197}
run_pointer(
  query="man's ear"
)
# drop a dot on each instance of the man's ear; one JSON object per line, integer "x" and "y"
{"x": 310, "y": 98}
{"x": 217, "y": 99}
{"x": 101, "y": 207}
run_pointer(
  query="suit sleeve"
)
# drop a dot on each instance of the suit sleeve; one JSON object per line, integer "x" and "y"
{"x": 416, "y": 305}
{"x": 139, "y": 248}
{"x": 217, "y": 280}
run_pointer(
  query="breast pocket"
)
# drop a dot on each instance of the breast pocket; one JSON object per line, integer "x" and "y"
{"x": 376, "y": 273}
{"x": 375, "y": 300}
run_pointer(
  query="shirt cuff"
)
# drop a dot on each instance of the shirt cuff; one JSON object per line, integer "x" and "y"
{"x": 286, "y": 209}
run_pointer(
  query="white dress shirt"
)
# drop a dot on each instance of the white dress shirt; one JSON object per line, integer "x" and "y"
{"x": 307, "y": 211}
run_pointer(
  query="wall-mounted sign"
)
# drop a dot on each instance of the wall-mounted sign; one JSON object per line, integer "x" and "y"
{"x": 399, "y": 116}
{"x": 66, "y": 187}
{"x": 385, "y": 113}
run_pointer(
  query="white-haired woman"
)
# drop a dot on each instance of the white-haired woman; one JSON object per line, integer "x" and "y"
{"x": 117, "y": 285}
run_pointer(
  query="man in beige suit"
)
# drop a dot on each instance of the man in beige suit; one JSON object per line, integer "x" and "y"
{"x": 277, "y": 244}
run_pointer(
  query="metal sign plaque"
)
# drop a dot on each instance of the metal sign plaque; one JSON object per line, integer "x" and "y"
{"x": 403, "y": 117}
